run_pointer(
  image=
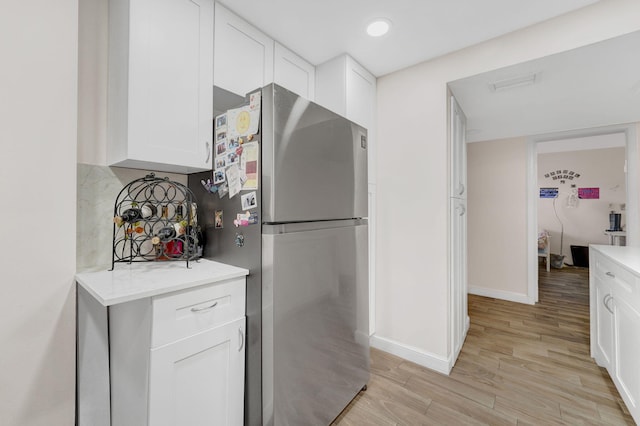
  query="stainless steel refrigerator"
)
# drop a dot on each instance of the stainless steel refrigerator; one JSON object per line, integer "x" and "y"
{"x": 307, "y": 292}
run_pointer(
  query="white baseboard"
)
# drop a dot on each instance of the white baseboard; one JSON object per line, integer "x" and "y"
{"x": 500, "y": 294}
{"x": 420, "y": 357}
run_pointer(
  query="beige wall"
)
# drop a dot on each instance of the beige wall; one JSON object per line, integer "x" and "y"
{"x": 412, "y": 203}
{"x": 497, "y": 219}
{"x": 38, "y": 186}
{"x": 583, "y": 225}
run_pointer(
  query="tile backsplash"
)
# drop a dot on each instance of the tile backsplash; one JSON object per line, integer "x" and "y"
{"x": 98, "y": 187}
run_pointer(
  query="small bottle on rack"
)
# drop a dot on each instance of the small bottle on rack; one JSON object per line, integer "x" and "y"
{"x": 148, "y": 210}
{"x": 130, "y": 215}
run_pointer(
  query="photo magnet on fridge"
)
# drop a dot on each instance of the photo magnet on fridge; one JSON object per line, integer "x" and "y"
{"x": 219, "y": 224}
{"x": 249, "y": 200}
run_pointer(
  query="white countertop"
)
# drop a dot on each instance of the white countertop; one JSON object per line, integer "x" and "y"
{"x": 145, "y": 279}
{"x": 628, "y": 257}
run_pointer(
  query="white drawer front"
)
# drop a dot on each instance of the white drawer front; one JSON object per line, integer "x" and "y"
{"x": 624, "y": 284}
{"x": 185, "y": 313}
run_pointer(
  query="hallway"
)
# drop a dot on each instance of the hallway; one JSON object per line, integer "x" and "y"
{"x": 520, "y": 364}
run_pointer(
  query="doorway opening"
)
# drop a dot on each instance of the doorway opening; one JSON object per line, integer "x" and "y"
{"x": 560, "y": 193}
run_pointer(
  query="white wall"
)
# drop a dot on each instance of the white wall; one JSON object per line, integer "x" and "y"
{"x": 583, "y": 225}
{"x": 412, "y": 281}
{"x": 92, "y": 81}
{"x": 38, "y": 186}
{"x": 497, "y": 220}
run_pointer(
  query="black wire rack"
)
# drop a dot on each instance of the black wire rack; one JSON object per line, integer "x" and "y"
{"x": 155, "y": 219}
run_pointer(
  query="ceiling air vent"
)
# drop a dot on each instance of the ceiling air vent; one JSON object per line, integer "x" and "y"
{"x": 511, "y": 83}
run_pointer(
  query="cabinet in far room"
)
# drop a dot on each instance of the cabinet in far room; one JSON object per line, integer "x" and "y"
{"x": 614, "y": 288}
{"x": 160, "y": 102}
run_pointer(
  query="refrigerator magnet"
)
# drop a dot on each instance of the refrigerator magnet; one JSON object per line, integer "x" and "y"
{"x": 253, "y": 218}
{"x": 218, "y": 176}
{"x": 221, "y": 121}
{"x": 223, "y": 190}
{"x": 219, "y": 224}
{"x": 242, "y": 219}
{"x": 249, "y": 201}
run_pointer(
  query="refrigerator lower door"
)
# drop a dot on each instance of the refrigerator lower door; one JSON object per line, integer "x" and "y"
{"x": 315, "y": 320}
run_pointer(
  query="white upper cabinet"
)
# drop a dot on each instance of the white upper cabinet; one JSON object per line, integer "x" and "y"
{"x": 294, "y": 73}
{"x": 347, "y": 88}
{"x": 458, "y": 152}
{"x": 160, "y": 84}
{"x": 243, "y": 54}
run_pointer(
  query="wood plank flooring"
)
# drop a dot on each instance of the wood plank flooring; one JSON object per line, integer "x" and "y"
{"x": 520, "y": 365}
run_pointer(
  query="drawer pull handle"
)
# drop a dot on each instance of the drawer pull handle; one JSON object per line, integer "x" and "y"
{"x": 610, "y": 274}
{"x": 241, "y": 339}
{"x": 204, "y": 308}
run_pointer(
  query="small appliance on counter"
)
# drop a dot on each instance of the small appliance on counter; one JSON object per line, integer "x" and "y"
{"x": 615, "y": 220}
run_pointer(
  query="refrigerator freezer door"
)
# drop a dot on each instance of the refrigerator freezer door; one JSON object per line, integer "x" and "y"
{"x": 315, "y": 321}
{"x": 314, "y": 161}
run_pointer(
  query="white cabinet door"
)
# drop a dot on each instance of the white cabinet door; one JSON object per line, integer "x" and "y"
{"x": 160, "y": 84}
{"x": 294, "y": 73}
{"x": 603, "y": 311}
{"x": 348, "y": 89}
{"x": 361, "y": 94}
{"x": 458, "y": 275}
{"x": 458, "y": 152}
{"x": 243, "y": 54}
{"x": 627, "y": 354}
{"x": 199, "y": 380}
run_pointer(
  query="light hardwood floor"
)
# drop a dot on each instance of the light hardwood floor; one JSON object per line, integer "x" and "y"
{"x": 520, "y": 365}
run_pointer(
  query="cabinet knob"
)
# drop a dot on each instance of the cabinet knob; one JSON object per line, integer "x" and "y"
{"x": 460, "y": 189}
{"x": 610, "y": 274}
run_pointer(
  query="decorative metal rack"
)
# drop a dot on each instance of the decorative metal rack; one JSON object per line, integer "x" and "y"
{"x": 155, "y": 219}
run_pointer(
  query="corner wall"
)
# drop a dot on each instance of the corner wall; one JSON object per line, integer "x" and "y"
{"x": 38, "y": 114}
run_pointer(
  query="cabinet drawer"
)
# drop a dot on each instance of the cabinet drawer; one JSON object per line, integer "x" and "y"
{"x": 182, "y": 314}
{"x": 624, "y": 284}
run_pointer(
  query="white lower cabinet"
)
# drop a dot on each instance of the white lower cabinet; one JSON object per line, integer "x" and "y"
{"x": 603, "y": 321}
{"x": 458, "y": 277}
{"x": 173, "y": 359}
{"x": 627, "y": 350}
{"x": 195, "y": 381}
{"x": 615, "y": 318}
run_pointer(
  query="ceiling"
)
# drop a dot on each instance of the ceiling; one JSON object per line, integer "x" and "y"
{"x": 421, "y": 29}
{"x": 595, "y": 85}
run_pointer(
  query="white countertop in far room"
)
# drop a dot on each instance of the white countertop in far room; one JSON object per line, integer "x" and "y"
{"x": 628, "y": 257}
{"x": 134, "y": 281}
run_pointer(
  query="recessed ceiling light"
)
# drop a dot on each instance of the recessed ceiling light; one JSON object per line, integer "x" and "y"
{"x": 378, "y": 27}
